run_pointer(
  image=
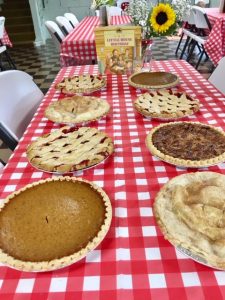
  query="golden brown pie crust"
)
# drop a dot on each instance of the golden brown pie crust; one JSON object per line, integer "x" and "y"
{"x": 52, "y": 223}
{"x": 189, "y": 210}
{"x": 187, "y": 144}
{"x": 166, "y": 104}
{"x": 81, "y": 84}
{"x": 69, "y": 149}
{"x": 77, "y": 109}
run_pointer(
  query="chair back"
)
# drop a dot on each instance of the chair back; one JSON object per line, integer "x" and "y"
{"x": 64, "y": 24}
{"x": 55, "y": 32}
{"x": 19, "y": 99}
{"x": 2, "y": 24}
{"x": 200, "y": 17}
{"x": 190, "y": 19}
{"x": 218, "y": 75}
{"x": 72, "y": 19}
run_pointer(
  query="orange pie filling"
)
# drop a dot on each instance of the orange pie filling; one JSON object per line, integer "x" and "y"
{"x": 51, "y": 220}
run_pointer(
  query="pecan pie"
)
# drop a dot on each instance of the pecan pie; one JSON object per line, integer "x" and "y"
{"x": 69, "y": 149}
{"x": 166, "y": 104}
{"x": 77, "y": 109}
{"x": 52, "y": 223}
{"x": 81, "y": 84}
{"x": 187, "y": 144}
{"x": 190, "y": 212}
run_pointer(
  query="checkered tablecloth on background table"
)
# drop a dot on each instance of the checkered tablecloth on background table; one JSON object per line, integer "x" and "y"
{"x": 5, "y": 40}
{"x": 78, "y": 48}
{"x": 120, "y": 20}
{"x": 215, "y": 44}
{"x": 134, "y": 261}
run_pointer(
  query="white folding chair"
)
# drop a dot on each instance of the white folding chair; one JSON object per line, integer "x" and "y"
{"x": 72, "y": 19}
{"x": 201, "y": 23}
{"x": 218, "y": 75}
{"x": 19, "y": 99}
{"x": 64, "y": 24}
{"x": 186, "y": 32}
{"x": 3, "y": 48}
{"x": 56, "y": 33}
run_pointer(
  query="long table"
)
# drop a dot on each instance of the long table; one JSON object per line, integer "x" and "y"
{"x": 215, "y": 44}
{"x": 134, "y": 261}
{"x": 6, "y": 40}
{"x": 78, "y": 48}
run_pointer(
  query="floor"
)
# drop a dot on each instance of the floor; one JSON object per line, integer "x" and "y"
{"x": 43, "y": 64}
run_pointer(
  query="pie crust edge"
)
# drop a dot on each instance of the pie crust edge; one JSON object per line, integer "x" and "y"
{"x": 210, "y": 260}
{"x": 183, "y": 162}
{"x": 67, "y": 260}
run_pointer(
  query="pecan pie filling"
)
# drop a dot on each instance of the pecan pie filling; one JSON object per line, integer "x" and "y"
{"x": 189, "y": 141}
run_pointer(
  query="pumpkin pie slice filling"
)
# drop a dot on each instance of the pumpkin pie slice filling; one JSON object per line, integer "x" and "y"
{"x": 52, "y": 220}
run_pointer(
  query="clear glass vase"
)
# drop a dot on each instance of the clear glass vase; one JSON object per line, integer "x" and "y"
{"x": 147, "y": 56}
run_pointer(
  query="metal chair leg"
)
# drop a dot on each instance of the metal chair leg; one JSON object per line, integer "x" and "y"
{"x": 200, "y": 58}
{"x": 191, "y": 50}
{"x": 178, "y": 46}
{"x": 9, "y": 59}
{"x": 185, "y": 46}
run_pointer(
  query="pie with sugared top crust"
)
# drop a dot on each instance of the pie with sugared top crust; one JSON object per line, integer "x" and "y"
{"x": 69, "y": 149}
{"x": 81, "y": 84}
{"x": 166, "y": 104}
{"x": 77, "y": 109}
{"x": 52, "y": 223}
{"x": 189, "y": 210}
{"x": 187, "y": 144}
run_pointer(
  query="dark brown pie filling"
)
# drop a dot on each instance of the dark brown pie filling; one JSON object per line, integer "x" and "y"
{"x": 189, "y": 141}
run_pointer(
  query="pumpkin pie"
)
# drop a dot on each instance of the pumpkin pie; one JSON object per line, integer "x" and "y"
{"x": 77, "y": 109}
{"x": 166, "y": 104}
{"x": 52, "y": 223}
{"x": 153, "y": 80}
{"x": 187, "y": 144}
{"x": 81, "y": 84}
{"x": 69, "y": 149}
{"x": 189, "y": 210}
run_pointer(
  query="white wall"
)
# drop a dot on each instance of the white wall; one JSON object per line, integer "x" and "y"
{"x": 52, "y": 9}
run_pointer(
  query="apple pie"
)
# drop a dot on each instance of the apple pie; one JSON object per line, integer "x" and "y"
{"x": 52, "y": 223}
{"x": 77, "y": 109}
{"x": 81, "y": 84}
{"x": 189, "y": 210}
{"x": 69, "y": 149}
{"x": 187, "y": 144}
{"x": 166, "y": 104}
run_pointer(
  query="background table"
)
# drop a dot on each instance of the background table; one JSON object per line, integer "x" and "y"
{"x": 215, "y": 45}
{"x": 78, "y": 48}
{"x": 134, "y": 261}
{"x": 6, "y": 41}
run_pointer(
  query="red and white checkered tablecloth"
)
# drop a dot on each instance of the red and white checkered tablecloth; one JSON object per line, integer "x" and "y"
{"x": 78, "y": 48}
{"x": 120, "y": 20}
{"x": 215, "y": 45}
{"x": 134, "y": 261}
{"x": 5, "y": 40}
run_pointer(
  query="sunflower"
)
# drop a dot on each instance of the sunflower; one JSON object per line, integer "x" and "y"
{"x": 162, "y": 18}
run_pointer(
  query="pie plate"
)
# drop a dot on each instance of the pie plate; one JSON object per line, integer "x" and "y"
{"x": 153, "y": 80}
{"x": 53, "y": 223}
{"x": 195, "y": 257}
